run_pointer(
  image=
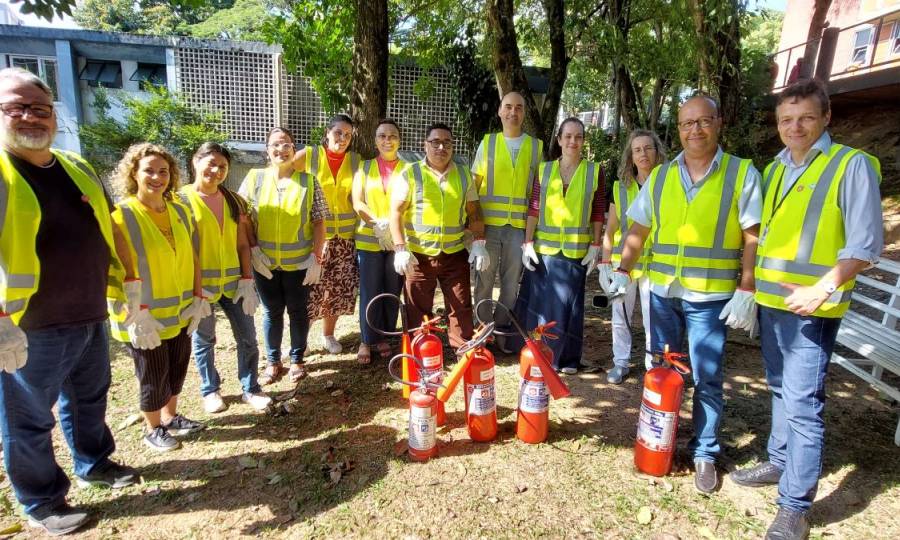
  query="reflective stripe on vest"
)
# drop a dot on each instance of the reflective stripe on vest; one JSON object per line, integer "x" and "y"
{"x": 796, "y": 265}
{"x": 219, "y": 261}
{"x": 721, "y": 270}
{"x": 572, "y": 240}
{"x": 377, "y": 200}
{"x": 165, "y": 309}
{"x": 623, "y": 198}
{"x": 430, "y": 238}
{"x": 502, "y": 210}
{"x": 343, "y": 219}
{"x": 285, "y": 255}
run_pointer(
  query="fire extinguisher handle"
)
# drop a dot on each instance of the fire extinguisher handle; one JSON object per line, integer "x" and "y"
{"x": 421, "y": 383}
{"x": 679, "y": 366}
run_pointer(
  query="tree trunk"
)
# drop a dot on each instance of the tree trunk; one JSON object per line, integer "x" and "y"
{"x": 628, "y": 108}
{"x": 813, "y": 37}
{"x": 728, "y": 83}
{"x": 510, "y": 73}
{"x": 369, "y": 93}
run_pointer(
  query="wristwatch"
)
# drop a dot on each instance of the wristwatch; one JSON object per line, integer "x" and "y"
{"x": 829, "y": 286}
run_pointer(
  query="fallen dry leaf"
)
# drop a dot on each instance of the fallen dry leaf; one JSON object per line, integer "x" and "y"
{"x": 12, "y": 529}
{"x": 521, "y": 488}
{"x": 644, "y": 515}
{"x": 706, "y": 532}
{"x": 130, "y": 420}
{"x": 337, "y": 393}
{"x": 400, "y": 447}
{"x": 494, "y": 500}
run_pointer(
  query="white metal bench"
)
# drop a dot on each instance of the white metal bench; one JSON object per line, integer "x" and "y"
{"x": 870, "y": 329}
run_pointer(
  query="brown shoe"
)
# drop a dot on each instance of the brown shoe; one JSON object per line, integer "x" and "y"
{"x": 705, "y": 478}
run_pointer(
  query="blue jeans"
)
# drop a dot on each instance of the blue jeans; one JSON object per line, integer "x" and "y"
{"x": 71, "y": 365}
{"x": 377, "y": 276}
{"x": 672, "y": 319}
{"x": 797, "y": 351}
{"x": 285, "y": 291}
{"x": 557, "y": 294}
{"x": 204, "y": 340}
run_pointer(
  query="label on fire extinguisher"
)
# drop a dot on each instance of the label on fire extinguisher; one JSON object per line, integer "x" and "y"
{"x": 656, "y": 429}
{"x": 653, "y": 397}
{"x": 432, "y": 362}
{"x": 422, "y": 426}
{"x": 533, "y": 396}
{"x": 481, "y": 399}
{"x": 536, "y": 372}
{"x": 487, "y": 374}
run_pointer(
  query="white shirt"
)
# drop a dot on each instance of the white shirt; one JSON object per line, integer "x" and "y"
{"x": 749, "y": 214}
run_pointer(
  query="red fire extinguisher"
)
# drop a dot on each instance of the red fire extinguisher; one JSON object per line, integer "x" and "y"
{"x": 427, "y": 347}
{"x": 532, "y": 415}
{"x": 476, "y": 368}
{"x": 658, "y": 421}
{"x": 422, "y": 433}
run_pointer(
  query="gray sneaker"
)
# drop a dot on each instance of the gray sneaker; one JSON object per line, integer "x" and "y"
{"x": 160, "y": 440}
{"x": 179, "y": 425}
{"x": 59, "y": 520}
{"x": 109, "y": 474}
{"x": 616, "y": 375}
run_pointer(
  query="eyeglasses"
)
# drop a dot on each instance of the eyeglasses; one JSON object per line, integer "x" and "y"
{"x": 704, "y": 122}
{"x": 438, "y": 143}
{"x": 341, "y": 135}
{"x": 281, "y": 146}
{"x": 17, "y": 110}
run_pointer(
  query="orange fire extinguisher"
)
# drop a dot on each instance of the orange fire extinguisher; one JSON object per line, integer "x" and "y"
{"x": 422, "y": 433}
{"x": 410, "y": 373}
{"x": 532, "y": 414}
{"x": 658, "y": 420}
{"x": 476, "y": 368}
{"x": 427, "y": 347}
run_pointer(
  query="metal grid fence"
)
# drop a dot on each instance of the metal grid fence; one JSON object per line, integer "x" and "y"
{"x": 250, "y": 87}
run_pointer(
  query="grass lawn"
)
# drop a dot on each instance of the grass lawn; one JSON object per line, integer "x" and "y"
{"x": 256, "y": 475}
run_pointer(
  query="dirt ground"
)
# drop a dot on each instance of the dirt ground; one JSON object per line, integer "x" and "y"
{"x": 335, "y": 467}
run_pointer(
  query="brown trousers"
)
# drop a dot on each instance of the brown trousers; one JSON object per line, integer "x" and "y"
{"x": 451, "y": 271}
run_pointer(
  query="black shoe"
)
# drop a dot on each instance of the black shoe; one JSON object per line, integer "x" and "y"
{"x": 159, "y": 440}
{"x": 59, "y": 520}
{"x": 788, "y": 525}
{"x": 183, "y": 426}
{"x": 764, "y": 474}
{"x": 705, "y": 477}
{"x": 109, "y": 474}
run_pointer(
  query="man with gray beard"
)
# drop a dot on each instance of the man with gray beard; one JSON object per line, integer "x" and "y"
{"x": 57, "y": 257}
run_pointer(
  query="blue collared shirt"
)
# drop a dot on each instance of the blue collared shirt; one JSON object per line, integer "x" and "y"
{"x": 859, "y": 199}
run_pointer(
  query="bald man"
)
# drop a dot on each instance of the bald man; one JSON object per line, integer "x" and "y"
{"x": 702, "y": 213}
{"x": 504, "y": 167}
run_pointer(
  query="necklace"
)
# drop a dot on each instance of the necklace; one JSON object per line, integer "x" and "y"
{"x": 50, "y": 164}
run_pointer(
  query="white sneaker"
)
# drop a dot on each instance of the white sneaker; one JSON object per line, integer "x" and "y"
{"x": 212, "y": 403}
{"x": 332, "y": 345}
{"x": 569, "y": 370}
{"x": 258, "y": 401}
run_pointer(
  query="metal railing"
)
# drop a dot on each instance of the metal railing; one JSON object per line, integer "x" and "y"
{"x": 837, "y": 51}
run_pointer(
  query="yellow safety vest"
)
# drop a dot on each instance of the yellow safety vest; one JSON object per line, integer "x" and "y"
{"x": 283, "y": 220}
{"x": 377, "y": 199}
{"x": 622, "y": 198}
{"x": 699, "y": 243}
{"x": 343, "y": 218}
{"x": 167, "y": 274}
{"x": 803, "y": 231}
{"x": 220, "y": 266}
{"x": 505, "y": 187}
{"x": 20, "y": 219}
{"x": 564, "y": 222}
{"x": 436, "y": 212}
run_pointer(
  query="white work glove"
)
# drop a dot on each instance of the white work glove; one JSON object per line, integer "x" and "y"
{"x": 196, "y": 312}
{"x": 133, "y": 300}
{"x": 604, "y": 274}
{"x": 618, "y": 285}
{"x": 404, "y": 262}
{"x": 740, "y": 311}
{"x": 479, "y": 255}
{"x": 143, "y": 332}
{"x": 313, "y": 270}
{"x": 383, "y": 234}
{"x": 13, "y": 345}
{"x": 261, "y": 262}
{"x": 590, "y": 258}
{"x": 529, "y": 256}
{"x": 246, "y": 294}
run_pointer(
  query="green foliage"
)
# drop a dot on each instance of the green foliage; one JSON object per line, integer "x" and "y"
{"x": 474, "y": 91}
{"x": 317, "y": 37}
{"x": 605, "y": 149}
{"x": 163, "y": 118}
{"x": 243, "y": 21}
{"x": 152, "y": 17}
{"x": 46, "y": 9}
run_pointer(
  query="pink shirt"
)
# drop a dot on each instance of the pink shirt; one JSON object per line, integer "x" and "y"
{"x": 216, "y": 204}
{"x": 386, "y": 169}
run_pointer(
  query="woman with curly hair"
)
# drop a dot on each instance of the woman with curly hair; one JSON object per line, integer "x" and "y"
{"x": 222, "y": 223}
{"x": 161, "y": 238}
